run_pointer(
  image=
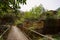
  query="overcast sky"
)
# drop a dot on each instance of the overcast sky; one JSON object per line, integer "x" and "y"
{"x": 47, "y": 4}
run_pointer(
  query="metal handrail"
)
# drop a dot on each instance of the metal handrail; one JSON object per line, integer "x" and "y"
{"x": 40, "y": 34}
{"x": 4, "y": 31}
{"x": 30, "y": 30}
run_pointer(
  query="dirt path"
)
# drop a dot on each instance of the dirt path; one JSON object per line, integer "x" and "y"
{"x": 16, "y": 34}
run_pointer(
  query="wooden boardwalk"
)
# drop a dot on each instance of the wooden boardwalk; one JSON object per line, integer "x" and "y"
{"x": 16, "y": 34}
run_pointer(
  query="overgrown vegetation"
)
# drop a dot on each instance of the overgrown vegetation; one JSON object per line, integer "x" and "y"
{"x": 37, "y": 19}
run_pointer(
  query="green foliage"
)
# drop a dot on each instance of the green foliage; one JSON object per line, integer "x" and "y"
{"x": 34, "y": 13}
{"x": 9, "y": 9}
{"x": 51, "y": 14}
{"x": 58, "y": 13}
{"x": 4, "y": 4}
{"x": 56, "y": 37}
{"x": 1, "y": 38}
{"x": 9, "y": 12}
{"x": 19, "y": 21}
{"x": 10, "y": 5}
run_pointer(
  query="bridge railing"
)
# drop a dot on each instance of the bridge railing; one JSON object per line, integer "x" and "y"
{"x": 48, "y": 38}
{"x": 8, "y": 27}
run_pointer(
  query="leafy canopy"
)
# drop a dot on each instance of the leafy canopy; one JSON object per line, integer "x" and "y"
{"x": 34, "y": 13}
{"x": 10, "y": 4}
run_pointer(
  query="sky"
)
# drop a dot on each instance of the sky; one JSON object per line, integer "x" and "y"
{"x": 47, "y": 4}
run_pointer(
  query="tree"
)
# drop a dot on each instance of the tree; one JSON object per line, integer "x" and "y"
{"x": 51, "y": 14}
{"x": 34, "y": 13}
{"x": 58, "y": 13}
{"x": 4, "y": 4}
{"x": 37, "y": 11}
{"x": 50, "y": 26}
{"x": 13, "y": 5}
{"x": 9, "y": 9}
